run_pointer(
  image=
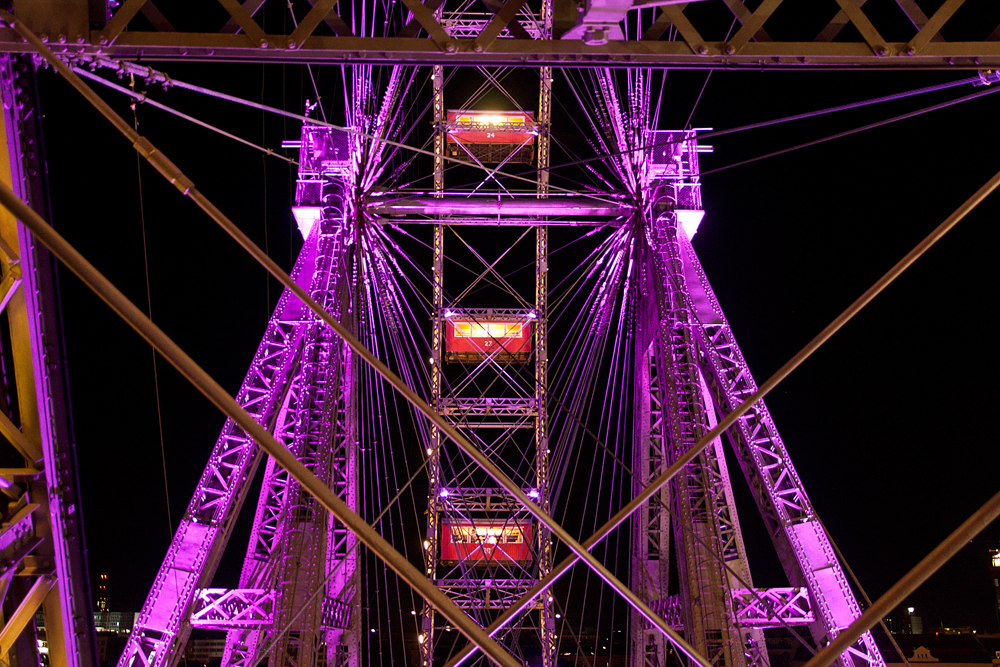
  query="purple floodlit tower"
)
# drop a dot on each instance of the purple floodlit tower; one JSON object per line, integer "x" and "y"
{"x": 484, "y": 367}
{"x": 301, "y": 384}
{"x": 689, "y": 368}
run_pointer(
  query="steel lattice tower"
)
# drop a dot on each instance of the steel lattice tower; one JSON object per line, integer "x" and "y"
{"x": 299, "y": 600}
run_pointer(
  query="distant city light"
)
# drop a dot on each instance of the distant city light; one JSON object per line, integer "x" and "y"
{"x": 910, "y": 609}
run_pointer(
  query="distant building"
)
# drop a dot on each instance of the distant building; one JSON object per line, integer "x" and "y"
{"x": 114, "y": 622}
{"x": 939, "y": 650}
{"x": 205, "y": 651}
{"x": 905, "y": 621}
{"x": 101, "y": 603}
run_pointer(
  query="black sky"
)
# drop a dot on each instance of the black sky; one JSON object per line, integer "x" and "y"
{"x": 890, "y": 425}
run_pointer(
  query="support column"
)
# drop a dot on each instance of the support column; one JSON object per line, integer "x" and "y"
{"x": 547, "y": 613}
{"x": 651, "y": 537}
{"x": 698, "y": 501}
{"x": 162, "y": 629}
{"x": 323, "y": 439}
{"x": 426, "y": 637}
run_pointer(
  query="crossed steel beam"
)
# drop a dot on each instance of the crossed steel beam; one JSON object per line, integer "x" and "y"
{"x": 218, "y": 396}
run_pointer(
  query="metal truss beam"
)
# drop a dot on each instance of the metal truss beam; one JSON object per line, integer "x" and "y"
{"x": 503, "y": 222}
{"x": 755, "y": 608}
{"x": 773, "y": 607}
{"x": 201, "y": 47}
{"x": 486, "y": 593}
{"x": 488, "y": 407}
{"x": 225, "y": 609}
{"x": 584, "y": 36}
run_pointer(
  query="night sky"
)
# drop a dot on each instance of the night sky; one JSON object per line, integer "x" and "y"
{"x": 890, "y": 425}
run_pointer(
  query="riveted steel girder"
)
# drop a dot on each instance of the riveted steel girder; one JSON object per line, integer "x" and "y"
{"x": 179, "y": 46}
{"x": 664, "y": 33}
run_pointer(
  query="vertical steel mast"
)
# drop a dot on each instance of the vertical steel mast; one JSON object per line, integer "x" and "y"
{"x": 425, "y": 640}
{"x": 688, "y": 368}
{"x": 459, "y": 514}
{"x": 543, "y": 451}
{"x": 296, "y": 595}
{"x": 452, "y": 508}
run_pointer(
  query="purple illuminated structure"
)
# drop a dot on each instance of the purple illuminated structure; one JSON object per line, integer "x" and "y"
{"x": 688, "y": 368}
{"x": 300, "y": 383}
{"x": 299, "y": 596}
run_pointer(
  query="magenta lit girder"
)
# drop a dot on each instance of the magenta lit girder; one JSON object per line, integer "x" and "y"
{"x": 679, "y": 392}
{"x": 294, "y": 546}
{"x": 800, "y": 539}
{"x": 299, "y": 384}
{"x": 697, "y": 505}
{"x": 161, "y": 629}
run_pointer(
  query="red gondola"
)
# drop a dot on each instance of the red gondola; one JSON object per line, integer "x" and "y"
{"x": 486, "y": 541}
{"x": 473, "y": 340}
{"x": 492, "y": 136}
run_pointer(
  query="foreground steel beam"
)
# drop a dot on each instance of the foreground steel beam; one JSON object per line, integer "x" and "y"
{"x": 486, "y": 206}
{"x": 730, "y": 419}
{"x": 222, "y": 400}
{"x": 177, "y": 46}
